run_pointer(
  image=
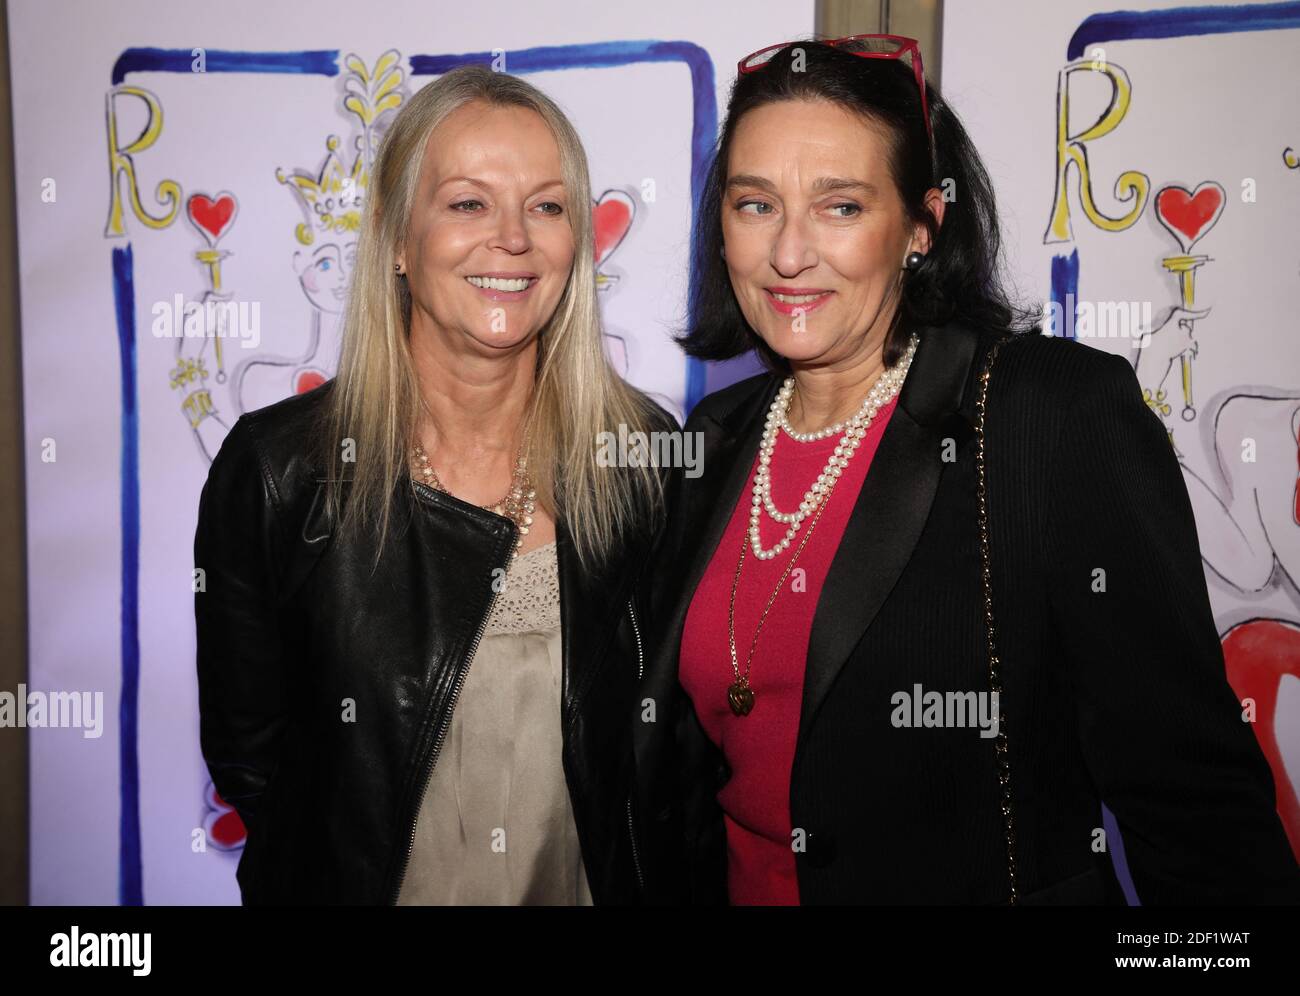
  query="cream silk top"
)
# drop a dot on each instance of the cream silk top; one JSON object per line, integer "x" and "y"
{"x": 495, "y": 825}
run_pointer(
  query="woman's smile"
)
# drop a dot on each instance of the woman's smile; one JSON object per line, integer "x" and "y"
{"x": 796, "y": 300}
{"x": 503, "y": 286}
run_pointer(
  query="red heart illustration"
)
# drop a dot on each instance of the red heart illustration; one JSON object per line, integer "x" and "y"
{"x": 308, "y": 380}
{"x": 212, "y": 216}
{"x": 611, "y": 217}
{"x": 1188, "y": 216}
{"x": 223, "y": 826}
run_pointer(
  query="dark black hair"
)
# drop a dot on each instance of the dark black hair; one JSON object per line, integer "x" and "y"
{"x": 961, "y": 275}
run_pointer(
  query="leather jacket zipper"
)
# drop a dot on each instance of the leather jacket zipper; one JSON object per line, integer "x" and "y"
{"x": 441, "y": 736}
{"x": 640, "y": 669}
{"x": 636, "y": 631}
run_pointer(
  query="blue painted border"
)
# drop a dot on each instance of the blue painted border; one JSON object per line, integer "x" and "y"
{"x": 129, "y": 868}
{"x": 319, "y": 62}
{"x": 1065, "y": 289}
{"x": 1180, "y": 22}
{"x": 1127, "y": 25}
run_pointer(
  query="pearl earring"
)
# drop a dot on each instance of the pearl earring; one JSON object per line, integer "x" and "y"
{"x": 914, "y": 260}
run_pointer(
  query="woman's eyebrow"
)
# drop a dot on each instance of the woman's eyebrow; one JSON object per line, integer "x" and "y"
{"x": 484, "y": 185}
{"x": 462, "y": 179}
{"x": 750, "y": 180}
{"x": 829, "y": 184}
{"x": 823, "y": 185}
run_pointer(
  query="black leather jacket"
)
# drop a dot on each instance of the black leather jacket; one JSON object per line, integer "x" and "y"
{"x": 325, "y": 691}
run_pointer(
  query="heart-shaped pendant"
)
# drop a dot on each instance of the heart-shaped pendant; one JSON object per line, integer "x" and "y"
{"x": 741, "y": 698}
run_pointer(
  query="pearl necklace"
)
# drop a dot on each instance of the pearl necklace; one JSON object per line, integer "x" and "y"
{"x": 854, "y": 429}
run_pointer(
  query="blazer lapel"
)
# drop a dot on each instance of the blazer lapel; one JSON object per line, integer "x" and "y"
{"x": 730, "y": 444}
{"x": 882, "y": 532}
{"x": 730, "y": 441}
{"x": 891, "y": 509}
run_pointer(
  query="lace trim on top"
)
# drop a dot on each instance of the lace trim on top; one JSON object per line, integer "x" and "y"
{"x": 529, "y": 601}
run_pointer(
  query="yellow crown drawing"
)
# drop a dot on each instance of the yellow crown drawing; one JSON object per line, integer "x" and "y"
{"x": 332, "y": 196}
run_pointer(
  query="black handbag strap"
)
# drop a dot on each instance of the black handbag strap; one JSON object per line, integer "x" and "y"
{"x": 990, "y": 628}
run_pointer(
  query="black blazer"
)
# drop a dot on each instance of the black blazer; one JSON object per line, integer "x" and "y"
{"x": 1117, "y": 696}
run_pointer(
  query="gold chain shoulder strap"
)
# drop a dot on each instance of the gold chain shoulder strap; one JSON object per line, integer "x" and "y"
{"x": 995, "y": 665}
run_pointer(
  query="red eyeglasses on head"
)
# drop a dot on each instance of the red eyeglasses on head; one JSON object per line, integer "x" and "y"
{"x": 907, "y": 50}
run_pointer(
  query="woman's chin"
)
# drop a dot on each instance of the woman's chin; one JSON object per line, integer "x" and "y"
{"x": 796, "y": 347}
{"x": 501, "y": 341}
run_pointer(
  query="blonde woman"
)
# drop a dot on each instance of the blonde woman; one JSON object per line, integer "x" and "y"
{"x": 418, "y": 641}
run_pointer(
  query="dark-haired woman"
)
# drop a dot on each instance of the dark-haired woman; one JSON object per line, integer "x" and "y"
{"x": 852, "y": 697}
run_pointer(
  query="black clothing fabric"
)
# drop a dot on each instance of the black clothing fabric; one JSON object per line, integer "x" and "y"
{"x": 1116, "y": 695}
{"x": 324, "y": 690}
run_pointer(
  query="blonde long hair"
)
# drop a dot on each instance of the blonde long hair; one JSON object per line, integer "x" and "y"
{"x": 375, "y": 400}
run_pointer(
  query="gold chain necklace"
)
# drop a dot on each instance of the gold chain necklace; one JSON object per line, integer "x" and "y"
{"x": 517, "y": 505}
{"x": 740, "y": 697}
{"x": 519, "y": 501}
